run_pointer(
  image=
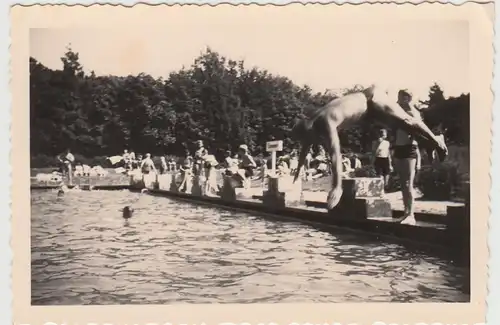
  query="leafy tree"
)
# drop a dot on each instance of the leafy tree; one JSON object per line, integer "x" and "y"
{"x": 216, "y": 99}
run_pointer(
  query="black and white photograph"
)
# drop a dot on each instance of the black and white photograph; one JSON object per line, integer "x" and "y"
{"x": 243, "y": 161}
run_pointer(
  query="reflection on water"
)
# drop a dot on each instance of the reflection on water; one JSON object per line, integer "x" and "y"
{"x": 170, "y": 252}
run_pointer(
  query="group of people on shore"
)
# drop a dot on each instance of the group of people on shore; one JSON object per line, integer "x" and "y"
{"x": 241, "y": 165}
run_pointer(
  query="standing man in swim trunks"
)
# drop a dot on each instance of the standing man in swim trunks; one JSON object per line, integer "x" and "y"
{"x": 147, "y": 165}
{"x": 407, "y": 159}
{"x": 381, "y": 157}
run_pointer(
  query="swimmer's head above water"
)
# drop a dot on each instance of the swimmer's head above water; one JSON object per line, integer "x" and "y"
{"x": 62, "y": 190}
{"x": 127, "y": 212}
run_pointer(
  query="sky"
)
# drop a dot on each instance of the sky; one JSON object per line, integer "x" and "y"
{"x": 321, "y": 54}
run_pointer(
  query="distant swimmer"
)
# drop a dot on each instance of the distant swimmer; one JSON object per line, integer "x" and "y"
{"x": 127, "y": 212}
{"x": 62, "y": 190}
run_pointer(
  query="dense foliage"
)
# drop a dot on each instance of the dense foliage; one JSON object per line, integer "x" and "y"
{"x": 217, "y": 100}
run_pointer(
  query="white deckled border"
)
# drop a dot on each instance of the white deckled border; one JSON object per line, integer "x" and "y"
{"x": 5, "y": 120}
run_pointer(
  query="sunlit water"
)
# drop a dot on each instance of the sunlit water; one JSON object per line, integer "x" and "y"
{"x": 83, "y": 252}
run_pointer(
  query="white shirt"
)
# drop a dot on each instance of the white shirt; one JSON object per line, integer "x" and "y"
{"x": 383, "y": 149}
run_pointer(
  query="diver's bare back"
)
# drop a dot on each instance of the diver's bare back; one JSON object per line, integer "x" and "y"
{"x": 346, "y": 111}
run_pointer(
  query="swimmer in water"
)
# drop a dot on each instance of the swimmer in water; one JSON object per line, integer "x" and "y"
{"x": 127, "y": 212}
{"x": 62, "y": 190}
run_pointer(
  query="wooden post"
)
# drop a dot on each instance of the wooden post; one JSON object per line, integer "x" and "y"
{"x": 69, "y": 170}
{"x": 273, "y": 147}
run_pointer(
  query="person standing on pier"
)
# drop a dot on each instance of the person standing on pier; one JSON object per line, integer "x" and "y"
{"x": 163, "y": 165}
{"x": 147, "y": 165}
{"x": 199, "y": 157}
{"x": 407, "y": 159}
{"x": 67, "y": 159}
{"x": 381, "y": 157}
{"x": 186, "y": 170}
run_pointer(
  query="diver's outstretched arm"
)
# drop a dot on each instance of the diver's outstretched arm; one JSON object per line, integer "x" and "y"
{"x": 417, "y": 127}
{"x": 412, "y": 125}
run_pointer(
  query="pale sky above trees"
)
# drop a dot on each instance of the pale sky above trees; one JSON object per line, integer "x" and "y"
{"x": 411, "y": 54}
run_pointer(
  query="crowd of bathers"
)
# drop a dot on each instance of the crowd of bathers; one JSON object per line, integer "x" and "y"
{"x": 241, "y": 165}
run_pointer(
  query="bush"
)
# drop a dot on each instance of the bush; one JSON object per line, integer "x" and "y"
{"x": 440, "y": 181}
{"x": 365, "y": 171}
{"x": 43, "y": 161}
{"x": 393, "y": 185}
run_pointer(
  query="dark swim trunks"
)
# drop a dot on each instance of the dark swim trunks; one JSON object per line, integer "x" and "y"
{"x": 408, "y": 151}
{"x": 382, "y": 166}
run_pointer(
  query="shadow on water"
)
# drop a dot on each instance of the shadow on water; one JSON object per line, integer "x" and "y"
{"x": 84, "y": 252}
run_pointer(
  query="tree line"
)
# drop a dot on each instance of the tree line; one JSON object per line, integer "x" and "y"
{"x": 216, "y": 99}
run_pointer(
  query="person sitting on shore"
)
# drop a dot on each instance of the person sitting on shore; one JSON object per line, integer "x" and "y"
{"x": 282, "y": 168}
{"x": 172, "y": 165}
{"x": 136, "y": 164}
{"x": 246, "y": 166}
{"x": 78, "y": 170}
{"x": 230, "y": 164}
{"x": 228, "y": 160}
{"x": 321, "y": 156}
{"x": 294, "y": 161}
{"x": 86, "y": 170}
{"x": 322, "y": 169}
{"x": 147, "y": 165}
{"x": 355, "y": 162}
{"x": 346, "y": 164}
{"x": 98, "y": 171}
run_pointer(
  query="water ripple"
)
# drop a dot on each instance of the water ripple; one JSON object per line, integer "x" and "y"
{"x": 170, "y": 252}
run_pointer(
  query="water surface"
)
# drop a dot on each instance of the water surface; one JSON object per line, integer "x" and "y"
{"x": 83, "y": 252}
